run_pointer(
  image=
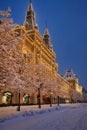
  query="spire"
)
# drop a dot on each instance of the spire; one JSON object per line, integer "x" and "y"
{"x": 46, "y": 32}
{"x": 30, "y": 22}
{"x": 46, "y": 38}
{"x": 30, "y": 6}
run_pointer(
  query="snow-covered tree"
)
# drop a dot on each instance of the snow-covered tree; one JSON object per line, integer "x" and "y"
{"x": 11, "y": 59}
{"x": 15, "y": 72}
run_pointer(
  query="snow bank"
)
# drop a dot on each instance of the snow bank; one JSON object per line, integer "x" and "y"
{"x": 37, "y": 112}
{"x": 28, "y": 114}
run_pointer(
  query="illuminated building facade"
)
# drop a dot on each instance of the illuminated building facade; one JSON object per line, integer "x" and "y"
{"x": 76, "y": 89}
{"x": 38, "y": 50}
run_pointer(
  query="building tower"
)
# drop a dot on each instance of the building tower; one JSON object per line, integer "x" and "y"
{"x": 71, "y": 78}
{"x": 70, "y": 75}
{"x": 30, "y": 21}
{"x": 76, "y": 89}
{"x": 46, "y": 39}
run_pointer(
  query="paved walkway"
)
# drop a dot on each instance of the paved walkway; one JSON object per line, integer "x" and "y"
{"x": 68, "y": 117}
{"x": 4, "y": 111}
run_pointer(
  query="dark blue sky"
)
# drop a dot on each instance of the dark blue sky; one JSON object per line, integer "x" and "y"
{"x": 67, "y": 24}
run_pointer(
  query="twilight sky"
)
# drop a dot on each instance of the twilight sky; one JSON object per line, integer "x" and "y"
{"x": 67, "y": 24}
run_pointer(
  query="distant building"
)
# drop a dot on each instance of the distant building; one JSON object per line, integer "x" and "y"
{"x": 76, "y": 89}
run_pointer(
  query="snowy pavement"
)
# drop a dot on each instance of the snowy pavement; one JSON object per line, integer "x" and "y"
{"x": 64, "y": 117}
{"x": 4, "y": 111}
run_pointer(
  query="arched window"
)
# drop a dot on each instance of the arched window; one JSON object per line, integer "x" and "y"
{"x": 26, "y": 99}
{"x": 7, "y": 98}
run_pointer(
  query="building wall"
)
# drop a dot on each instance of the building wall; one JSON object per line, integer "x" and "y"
{"x": 35, "y": 47}
{"x": 37, "y": 50}
{"x": 75, "y": 88}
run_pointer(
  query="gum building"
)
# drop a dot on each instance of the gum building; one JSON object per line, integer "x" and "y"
{"x": 37, "y": 49}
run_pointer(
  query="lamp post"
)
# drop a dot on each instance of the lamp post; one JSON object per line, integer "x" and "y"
{"x": 18, "y": 108}
{"x": 39, "y": 95}
{"x": 58, "y": 100}
{"x": 29, "y": 56}
{"x": 50, "y": 101}
{"x": 51, "y": 98}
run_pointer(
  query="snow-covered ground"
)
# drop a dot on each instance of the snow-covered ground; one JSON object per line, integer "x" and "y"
{"x": 64, "y": 117}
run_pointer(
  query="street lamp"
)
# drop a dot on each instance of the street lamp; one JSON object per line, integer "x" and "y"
{"x": 50, "y": 101}
{"x": 29, "y": 56}
{"x": 58, "y": 100}
{"x": 39, "y": 95}
{"x": 18, "y": 108}
{"x": 39, "y": 101}
{"x": 51, "y": 98}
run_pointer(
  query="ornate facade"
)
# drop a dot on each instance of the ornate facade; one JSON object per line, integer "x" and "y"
{"x": 38, "y": 50}
{"x": 39, "y": 47}
{"x": 76, "y": 94}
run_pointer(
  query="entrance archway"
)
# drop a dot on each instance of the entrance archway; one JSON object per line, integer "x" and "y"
{"x": 7, "y": 98}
